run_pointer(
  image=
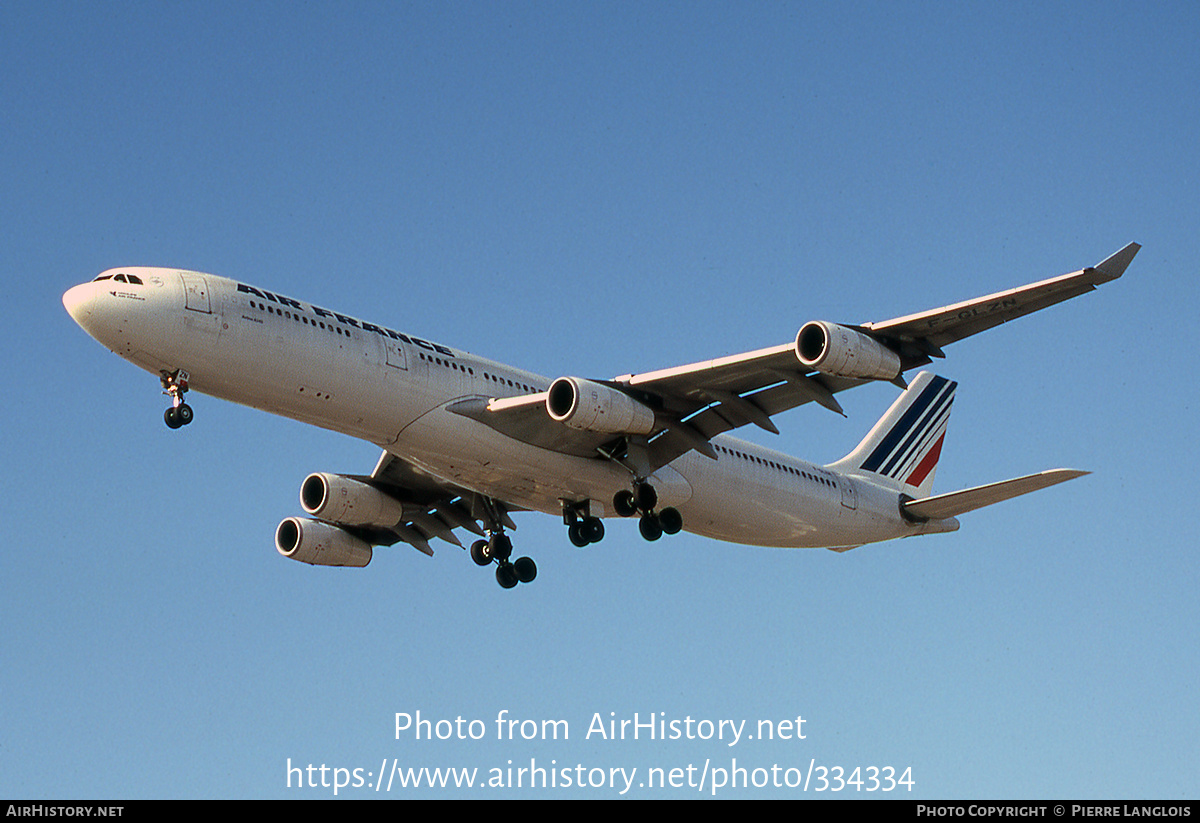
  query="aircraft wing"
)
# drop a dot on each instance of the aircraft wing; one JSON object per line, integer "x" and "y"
{"x": 938, "y": 327}
{"x": 696, "y": 402}
{"x": 432, "y": 507}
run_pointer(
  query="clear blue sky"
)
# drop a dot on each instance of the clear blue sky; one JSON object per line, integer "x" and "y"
{"x": 598, "y": 189}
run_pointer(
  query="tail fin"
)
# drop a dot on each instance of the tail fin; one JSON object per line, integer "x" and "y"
{"x": 904, "y": 446}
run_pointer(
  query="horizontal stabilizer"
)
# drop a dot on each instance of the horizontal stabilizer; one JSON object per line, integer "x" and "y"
{"x": 953, "y": 504}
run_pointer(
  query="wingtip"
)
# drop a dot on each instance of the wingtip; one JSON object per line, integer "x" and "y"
{"x": 1114, "y": 265}
{"x": 1063, "y": 475}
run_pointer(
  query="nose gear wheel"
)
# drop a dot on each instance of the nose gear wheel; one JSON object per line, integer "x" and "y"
{"x": 175, "y": 384}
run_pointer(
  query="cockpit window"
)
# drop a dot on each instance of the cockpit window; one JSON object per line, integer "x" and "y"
{"x": 102, "y": 277}
{"x": 120, "y": 278}
{"x": 135, "y": 280}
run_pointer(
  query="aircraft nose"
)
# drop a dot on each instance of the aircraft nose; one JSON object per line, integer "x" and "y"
{"x": 78, "y": 302}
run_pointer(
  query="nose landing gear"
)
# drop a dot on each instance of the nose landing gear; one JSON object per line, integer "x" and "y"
{"x": 175, "y": 384}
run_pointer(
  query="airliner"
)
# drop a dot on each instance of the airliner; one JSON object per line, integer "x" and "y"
{"x": 468, "y": 441}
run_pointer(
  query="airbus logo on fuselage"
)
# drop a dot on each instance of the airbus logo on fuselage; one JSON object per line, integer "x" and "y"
{"x": 341, "y": 318}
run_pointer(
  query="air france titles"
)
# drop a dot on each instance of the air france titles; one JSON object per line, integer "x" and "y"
{"x": 651, "y": 727}
{"x": 344, "y": 320}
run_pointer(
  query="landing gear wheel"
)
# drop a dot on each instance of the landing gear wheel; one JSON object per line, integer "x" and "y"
{"x": 525, "y": 569}
{"x": 593, "y": 529}
{"x": 624, "y": 504}
{"x": 671, "y": 520}
{"x": 480, "y": 554}
{"x": 650, "y": 527}
{"x": 585, "y": 531}
{"x": 175, "y": 384}
{"x": 501, "y": 547}
{"x": 578, "y": 538}
{"x": 646, "y": 497}
{"x": 506, "y": 576}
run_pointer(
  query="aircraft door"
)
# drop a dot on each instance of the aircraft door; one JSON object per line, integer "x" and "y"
{"x": 394, "y": 353}
{"x": 195, "y": 291}
{"x": 849, "y": 493}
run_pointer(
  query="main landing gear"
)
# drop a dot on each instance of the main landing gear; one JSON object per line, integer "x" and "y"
{"x": 175, "y": 384}
{"x": 582, "y": 528}
{"x": 643, "y": 498}
{"x": 498, "y": 549}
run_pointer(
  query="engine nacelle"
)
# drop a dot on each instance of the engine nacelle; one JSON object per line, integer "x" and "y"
{"x": 338, "y": 499}
{"x": 595, "y": 407}
{"x": 320, "y": 544}
{"x": 833, "y": 349}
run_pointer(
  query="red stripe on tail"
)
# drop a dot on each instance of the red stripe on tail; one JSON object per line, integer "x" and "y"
{"x": 926, "y": 466}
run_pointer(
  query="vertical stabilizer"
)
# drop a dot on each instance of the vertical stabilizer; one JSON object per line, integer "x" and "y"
{"x": 903, "y": 448}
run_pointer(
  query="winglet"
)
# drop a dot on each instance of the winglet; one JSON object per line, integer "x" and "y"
{"x": 1114, "y": 266}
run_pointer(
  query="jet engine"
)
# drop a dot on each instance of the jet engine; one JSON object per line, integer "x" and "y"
{"x": 845, "y": 352}
{"x": 320, "y": 544}
{"x": 338, "y": 499}
{"x": 591, "y": 406}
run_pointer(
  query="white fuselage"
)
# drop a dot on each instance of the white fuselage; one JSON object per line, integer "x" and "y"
{"x": 260, "y": 349}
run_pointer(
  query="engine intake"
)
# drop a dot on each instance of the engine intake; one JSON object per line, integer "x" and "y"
{"x": 338, "y": 499}
{"x": 320, "y": 544}
{"x": 591, "y": 406}
{"x": 845, "y": 352}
